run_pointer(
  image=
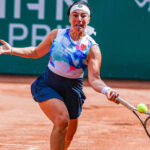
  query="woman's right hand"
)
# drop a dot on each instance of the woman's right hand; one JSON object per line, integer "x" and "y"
{"x": 5, "y": 48}
{"x": 111, "y": 95}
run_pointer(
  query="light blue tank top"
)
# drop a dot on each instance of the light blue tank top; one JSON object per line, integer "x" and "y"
{"x": 68, "y": 57}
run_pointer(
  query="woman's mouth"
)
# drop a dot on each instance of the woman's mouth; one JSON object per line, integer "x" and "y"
{"x": 79, "y": 26}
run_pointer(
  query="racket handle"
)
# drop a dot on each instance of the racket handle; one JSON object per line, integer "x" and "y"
{"x": 126, "y": 104}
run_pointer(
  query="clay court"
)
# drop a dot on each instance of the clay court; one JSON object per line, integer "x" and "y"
{"x": 103, "y": 125}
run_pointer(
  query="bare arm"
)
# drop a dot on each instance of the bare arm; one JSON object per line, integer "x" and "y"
{"x": 94, "y": 64}
{"x": 30, "y": 52}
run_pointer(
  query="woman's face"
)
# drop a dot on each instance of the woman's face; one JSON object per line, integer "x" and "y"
{"x": 79, "y": 20}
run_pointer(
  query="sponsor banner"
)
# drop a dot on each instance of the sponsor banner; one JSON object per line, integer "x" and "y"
{"x": 121, "y": 29}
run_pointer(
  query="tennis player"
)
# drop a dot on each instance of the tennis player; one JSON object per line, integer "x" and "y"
{"x": 58, "y": 90}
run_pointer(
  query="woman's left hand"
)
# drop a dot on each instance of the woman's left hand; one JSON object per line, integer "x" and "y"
{"x": 111, "y": 95}
{"x": 5, "y": 48}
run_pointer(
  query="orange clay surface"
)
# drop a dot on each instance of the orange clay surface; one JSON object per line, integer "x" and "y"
{"x": 103, "y": 125}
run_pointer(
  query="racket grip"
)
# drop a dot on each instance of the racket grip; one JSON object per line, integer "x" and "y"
{"x": 126, "y": 104}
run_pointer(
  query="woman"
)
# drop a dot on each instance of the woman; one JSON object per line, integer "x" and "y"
{"x": 59, "y": 89}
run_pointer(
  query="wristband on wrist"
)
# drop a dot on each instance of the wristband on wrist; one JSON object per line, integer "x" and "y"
{"x": 104, "y": 89}
{"x": 11, "y": 51}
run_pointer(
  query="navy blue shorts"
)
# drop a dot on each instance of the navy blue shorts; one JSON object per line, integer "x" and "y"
{"x": 50, "y": 85}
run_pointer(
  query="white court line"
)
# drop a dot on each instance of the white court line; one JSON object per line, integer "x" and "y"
{"x": 31, "y": 147}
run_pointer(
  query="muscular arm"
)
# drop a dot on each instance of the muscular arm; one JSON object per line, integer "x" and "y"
{"x": 30, "y": 52}
{"x": 94, "y": 64}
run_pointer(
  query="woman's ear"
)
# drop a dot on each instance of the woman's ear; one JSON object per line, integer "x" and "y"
{"x": 88, "y": 20}
{"x": 69, "y": 19}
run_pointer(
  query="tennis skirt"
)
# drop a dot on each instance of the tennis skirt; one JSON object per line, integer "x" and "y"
{"x": 50, "y": 85}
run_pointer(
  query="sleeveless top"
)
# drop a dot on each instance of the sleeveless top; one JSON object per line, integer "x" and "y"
{"x": 68, "y": 57}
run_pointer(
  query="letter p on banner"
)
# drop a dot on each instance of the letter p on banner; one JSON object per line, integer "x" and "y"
{"x": 13, "y": 37}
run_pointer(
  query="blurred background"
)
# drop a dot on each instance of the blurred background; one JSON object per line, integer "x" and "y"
{"x": 122, "y": 31}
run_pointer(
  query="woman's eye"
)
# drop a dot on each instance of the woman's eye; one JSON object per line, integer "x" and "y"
{"x": 83, "y": 16}
{"x": 75, "y": 15}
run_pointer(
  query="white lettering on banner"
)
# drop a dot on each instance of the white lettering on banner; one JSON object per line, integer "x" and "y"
{"x": 143, "y": 3}
{"x": 40, "y": 7}
{"x": 35, "y": 34}
{"x": 2, "y": 8}
{"x": 13, "y": 37}
{"x": 17, "y": 9}
{"x": 35, "y": 30}
{"x": 59, "y": 8}
{"x": 35, "y": 37}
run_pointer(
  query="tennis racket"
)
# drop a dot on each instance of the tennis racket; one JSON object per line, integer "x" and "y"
{"x": 145, "y": 123}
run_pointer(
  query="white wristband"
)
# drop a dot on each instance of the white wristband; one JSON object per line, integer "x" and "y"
{"x": 11, "y": 51}
{"x": 104, "y": 90}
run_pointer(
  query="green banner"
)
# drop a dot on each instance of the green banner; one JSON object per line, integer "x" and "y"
{"x": 122, "y": 29}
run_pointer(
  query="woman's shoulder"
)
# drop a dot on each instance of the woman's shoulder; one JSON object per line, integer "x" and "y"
{"x": 62, "y": 31}
{"x": 56, "y": 32}
{"x": 52, "y": 35}
{"x": 90, "y": 38}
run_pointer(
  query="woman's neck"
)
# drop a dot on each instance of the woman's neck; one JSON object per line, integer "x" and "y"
{"x": 76, "y": 35}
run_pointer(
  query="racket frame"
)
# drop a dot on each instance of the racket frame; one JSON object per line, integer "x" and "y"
{"x": 133, "y": 109}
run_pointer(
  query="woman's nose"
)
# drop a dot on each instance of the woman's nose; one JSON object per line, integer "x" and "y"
{"x": 79, "y": 18}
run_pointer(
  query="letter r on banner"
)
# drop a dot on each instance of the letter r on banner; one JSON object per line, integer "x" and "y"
{"x": 36, "y": 37}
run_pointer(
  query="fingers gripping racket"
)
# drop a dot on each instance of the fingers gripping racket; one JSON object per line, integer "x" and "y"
{"x": 146, "y": 123}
